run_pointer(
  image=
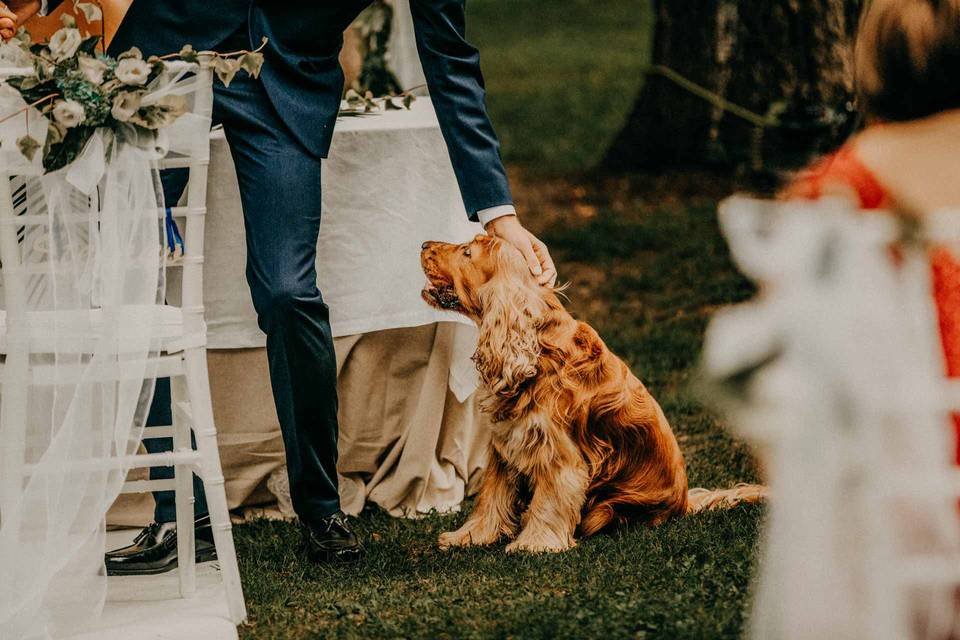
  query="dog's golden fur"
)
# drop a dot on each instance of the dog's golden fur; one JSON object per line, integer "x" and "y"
{"x": 573, "y": 429}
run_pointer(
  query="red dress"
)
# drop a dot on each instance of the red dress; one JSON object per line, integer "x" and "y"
{"x": 845, "y": 168}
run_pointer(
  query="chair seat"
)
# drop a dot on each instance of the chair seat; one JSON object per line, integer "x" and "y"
{"x": 78, "y": 331}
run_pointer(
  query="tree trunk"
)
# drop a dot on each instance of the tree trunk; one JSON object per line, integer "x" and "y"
{"x": 793, "y": 57}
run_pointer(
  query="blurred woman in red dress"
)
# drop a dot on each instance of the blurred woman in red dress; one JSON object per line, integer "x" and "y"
{"x": 907, "y": 65}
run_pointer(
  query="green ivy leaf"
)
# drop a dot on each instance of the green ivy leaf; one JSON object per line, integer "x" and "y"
{"x": 27, "y": 83}
{"x": 55, "y": 133}
{"x": 91, "y": 12}
{"x": 89, "y": 45}
{"x": 408, "y": 100}
{"x": 390, "y": 105}
{"x": 188, "y": 54}
{"x": 251, "y": 63}
{"x": 33, "y": 89}
{"x": 156, "y": 68}
{"x": 57, "y": 156}
{"x": 160, "y": 114}
{"x": 28, "y": 146}
{"x": 68, "y": 21}
{"x": 226, "y": 69}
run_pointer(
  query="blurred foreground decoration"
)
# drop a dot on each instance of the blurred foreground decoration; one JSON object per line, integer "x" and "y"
{"x": 792, "y": 61}
{"x": 835, "y": 371}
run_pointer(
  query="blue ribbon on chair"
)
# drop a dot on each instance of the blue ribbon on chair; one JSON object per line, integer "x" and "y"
{"x": 174, "y": 239}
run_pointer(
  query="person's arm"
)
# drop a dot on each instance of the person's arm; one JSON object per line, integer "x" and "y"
{"x": 8, "y": 22}
{"x": 14, "y": 13}
{"x": 26, "y": 9}
{"x": 452, "y": 69}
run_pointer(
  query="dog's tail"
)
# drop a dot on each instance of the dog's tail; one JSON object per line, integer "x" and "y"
{"x": 707, "y": 499}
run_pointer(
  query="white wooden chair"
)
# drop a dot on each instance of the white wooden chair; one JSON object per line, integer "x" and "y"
{"x": 836, "y": 369}
{"x": 182, "y": 334}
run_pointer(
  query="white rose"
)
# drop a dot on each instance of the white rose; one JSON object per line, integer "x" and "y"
{"x": 132, "y": 71}
{"x": 65, "y": 43}
{"x": 125, "y": 105}
{"x": 69, "y": 113}
{"x": 92, "y": 69}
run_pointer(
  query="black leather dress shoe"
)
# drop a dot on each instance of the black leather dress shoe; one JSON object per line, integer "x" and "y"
{"x": 331, "y": 540}
{"x": 154, "y": 550}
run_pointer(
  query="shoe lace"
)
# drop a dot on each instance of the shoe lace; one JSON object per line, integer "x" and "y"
{"x": 338, "y": 521}
{"x": 149, "y": 530}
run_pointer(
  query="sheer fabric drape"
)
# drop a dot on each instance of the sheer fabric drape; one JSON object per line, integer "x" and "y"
{"x": 81, "y": 344}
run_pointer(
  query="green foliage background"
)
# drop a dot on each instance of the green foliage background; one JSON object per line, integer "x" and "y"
{"x": 561, "y": 75}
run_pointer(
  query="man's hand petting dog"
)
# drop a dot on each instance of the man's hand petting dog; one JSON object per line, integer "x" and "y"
{"x": 534, "y": 251}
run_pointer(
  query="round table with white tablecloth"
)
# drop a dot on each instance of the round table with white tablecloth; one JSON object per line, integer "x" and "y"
{"x": 411, "y": 437}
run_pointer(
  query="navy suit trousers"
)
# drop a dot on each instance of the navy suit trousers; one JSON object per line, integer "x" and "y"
{"x": 280, "y": 192}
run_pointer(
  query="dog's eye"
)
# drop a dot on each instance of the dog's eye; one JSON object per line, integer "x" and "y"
{"x": 466, "y": 251}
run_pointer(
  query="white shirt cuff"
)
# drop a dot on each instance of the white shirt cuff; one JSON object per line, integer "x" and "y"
{"x": 487, "y": 215}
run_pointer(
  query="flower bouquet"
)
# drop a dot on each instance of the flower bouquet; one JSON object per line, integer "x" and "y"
{"x": 79, "y": 89}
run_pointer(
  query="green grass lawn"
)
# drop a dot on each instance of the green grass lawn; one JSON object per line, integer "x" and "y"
{"x": 647, "y": 272}
{"x": 561, "y": 75}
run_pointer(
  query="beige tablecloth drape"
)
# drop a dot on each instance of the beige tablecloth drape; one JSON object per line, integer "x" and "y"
{"x": 406, "y": 443}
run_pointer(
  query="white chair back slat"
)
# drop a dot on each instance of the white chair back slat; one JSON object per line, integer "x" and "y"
{"x": 195, "y": 210}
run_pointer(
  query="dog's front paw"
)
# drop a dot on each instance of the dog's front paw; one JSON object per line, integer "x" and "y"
{"x": 541, "y": 543}
{"x": 469, "y": 535}
{"x": 458, "y": 538}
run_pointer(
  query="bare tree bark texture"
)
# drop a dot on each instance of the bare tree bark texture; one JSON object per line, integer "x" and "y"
{"x": 794, "y": 56}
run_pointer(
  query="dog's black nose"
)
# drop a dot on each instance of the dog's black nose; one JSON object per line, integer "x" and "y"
{"x": 425, "y": 244}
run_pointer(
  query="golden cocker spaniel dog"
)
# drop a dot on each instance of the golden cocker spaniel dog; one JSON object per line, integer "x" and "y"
{"x": 576, "y": 436}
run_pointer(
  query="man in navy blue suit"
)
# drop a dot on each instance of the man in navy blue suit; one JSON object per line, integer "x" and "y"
{"x": 279, "y": 128}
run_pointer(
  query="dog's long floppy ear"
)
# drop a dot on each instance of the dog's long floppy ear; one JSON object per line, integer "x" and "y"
{"x": 509, "y": 348}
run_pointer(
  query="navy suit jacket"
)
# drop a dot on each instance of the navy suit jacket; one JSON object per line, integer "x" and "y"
{"x": 303, "y": 79}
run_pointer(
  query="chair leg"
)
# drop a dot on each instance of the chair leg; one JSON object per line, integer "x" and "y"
{"x": 186, "y": 544}
{"x": 198, "y": 386}
{"x": 13, "y": 412}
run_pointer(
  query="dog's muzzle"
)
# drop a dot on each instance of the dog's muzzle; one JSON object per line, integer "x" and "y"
{"x": 444, "y": 296}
